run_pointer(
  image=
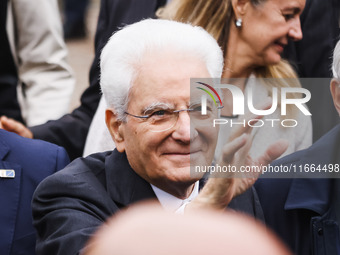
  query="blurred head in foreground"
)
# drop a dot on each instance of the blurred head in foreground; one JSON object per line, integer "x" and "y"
{"x": 146, "y": 229}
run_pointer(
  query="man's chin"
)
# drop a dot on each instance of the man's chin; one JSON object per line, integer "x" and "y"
{"x": 181, "y": 174}
{"x": 184, "y": 159}
{"x": 185, "y": 166}
{"x": 181, "y": 159}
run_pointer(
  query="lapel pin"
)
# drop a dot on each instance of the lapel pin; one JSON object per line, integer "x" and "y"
{"x": 7, "y": 173}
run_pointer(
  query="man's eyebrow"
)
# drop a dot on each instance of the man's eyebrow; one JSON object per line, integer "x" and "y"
{"x": 157, "y": 105}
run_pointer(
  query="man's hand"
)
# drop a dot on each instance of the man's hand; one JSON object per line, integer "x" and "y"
{"x": 15, "y": 127}
{"x": 221, "y": 188}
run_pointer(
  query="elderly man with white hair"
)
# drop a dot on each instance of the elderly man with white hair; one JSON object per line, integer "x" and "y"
{"x": 159, "y": 131}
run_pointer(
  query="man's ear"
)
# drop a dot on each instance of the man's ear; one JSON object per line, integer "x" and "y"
{"x": 240, "y": 7}
{"x": 335, "y": 91}
{"x": 115, "y": 128}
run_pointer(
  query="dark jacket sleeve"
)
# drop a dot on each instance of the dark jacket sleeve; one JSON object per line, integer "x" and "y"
{"x": 67, "y": 209}
{"x": 71, "y": 130}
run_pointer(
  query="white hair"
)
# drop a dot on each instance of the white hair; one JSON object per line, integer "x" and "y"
{"x": 336, "y": 61}
{"x": 123, "y": 54}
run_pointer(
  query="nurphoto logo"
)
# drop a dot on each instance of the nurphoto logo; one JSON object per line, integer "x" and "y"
{"x": 280, "y": 98}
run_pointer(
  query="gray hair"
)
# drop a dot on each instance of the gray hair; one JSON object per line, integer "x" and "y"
{"x": 123, "y": 55}
{"x": 336, "y": 61}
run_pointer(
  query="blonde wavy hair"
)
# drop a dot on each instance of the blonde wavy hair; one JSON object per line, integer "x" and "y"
{"x": 216, "y": 17}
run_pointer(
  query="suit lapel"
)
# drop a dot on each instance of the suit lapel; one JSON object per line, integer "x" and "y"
{"x": 123, "y": 184}
{"x": 9, "y": 199}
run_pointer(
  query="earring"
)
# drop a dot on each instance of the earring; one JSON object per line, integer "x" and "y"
{"x": 238, "y": 23}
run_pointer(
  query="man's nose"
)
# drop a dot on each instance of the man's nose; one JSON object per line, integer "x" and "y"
{"x": 182, "y": 128}
{"x": 295, "y": 32}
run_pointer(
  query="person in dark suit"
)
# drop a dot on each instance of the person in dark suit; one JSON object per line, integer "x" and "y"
{"x": 145, "y": 78}
{"x": 23, "y": 164}
{"x": 305, "y": 212}
{"x": 70, "y": 131}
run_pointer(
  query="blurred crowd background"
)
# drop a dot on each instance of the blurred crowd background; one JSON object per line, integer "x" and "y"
{"x": 81, "y": 50}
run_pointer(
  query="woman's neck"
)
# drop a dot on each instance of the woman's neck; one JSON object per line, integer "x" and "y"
{"x": 238, "y": 66}
{"x": 237, "y": 63}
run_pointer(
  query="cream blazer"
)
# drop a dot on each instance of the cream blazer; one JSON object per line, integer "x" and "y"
{"x": 46, "y": 81}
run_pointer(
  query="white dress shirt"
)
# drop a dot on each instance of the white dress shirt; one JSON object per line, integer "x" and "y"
{"x": 172, "y": 203}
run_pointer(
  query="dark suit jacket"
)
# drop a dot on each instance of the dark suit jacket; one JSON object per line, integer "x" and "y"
{"x": 70, "y": 205}
{"x": 305, "y": 212}
{"x": 70, "y": 131}
{"x": 32, "y": 161}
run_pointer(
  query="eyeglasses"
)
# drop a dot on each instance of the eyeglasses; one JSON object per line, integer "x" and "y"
{"x": 163, "y": 120}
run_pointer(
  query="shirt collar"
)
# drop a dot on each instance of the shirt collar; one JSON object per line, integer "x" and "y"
{"x": 172, "y": 203}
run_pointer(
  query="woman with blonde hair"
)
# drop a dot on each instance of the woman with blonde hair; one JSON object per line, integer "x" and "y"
{"x": 252, "y": 35}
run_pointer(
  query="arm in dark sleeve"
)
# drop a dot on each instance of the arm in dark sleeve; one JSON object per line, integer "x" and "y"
{"x": 67, "y": 210}
{"x": 70, "y": 131}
